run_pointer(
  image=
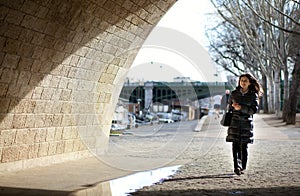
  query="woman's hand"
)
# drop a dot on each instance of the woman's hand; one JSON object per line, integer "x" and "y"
{"x": 236, "y": 106}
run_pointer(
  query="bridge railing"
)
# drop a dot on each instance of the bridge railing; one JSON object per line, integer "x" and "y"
{"x": 197, "y": 83}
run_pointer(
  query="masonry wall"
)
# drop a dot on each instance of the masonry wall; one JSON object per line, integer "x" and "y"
{"x": 63, "y": 65}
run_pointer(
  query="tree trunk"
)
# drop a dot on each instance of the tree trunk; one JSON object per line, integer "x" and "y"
{"x": 294, "y": 94}
{"x": 265, "y": 95}
{"x": 286, "y": 94}
{"x": 271, "y": 94}
{"x": 277, "y": 92}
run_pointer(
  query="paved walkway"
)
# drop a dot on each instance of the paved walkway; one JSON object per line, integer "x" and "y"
{"x": 207, "y": 165}
{"x": 273, "y": 167}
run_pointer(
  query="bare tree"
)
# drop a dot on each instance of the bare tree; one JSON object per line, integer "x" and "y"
{"x": 227, "y": 48}
{"x": 265, "y": 28}
{"x": 290, "y": 108}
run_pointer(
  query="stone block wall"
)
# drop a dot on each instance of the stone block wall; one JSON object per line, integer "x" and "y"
{"x": 63, "y": 65}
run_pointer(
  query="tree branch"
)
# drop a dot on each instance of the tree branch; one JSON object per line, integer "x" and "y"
{"x": 269, "y": 22}
{"x": 277, "y": 10}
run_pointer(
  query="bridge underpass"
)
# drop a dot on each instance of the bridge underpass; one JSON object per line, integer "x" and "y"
{"x": 63, "y": 64}
{"x": 158, "y": 92}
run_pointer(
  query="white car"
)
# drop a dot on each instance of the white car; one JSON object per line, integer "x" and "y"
{"x": 115, "y": 127}
{"x": 165, "y": 120}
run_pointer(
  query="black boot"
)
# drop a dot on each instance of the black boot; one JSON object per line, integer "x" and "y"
{"x": 237, "y": 171}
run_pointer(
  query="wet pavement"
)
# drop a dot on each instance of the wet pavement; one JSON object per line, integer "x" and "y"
{"x": 148, "y": 148}
{"x": 130, "y": 183}
{"x": 200, "y": 149}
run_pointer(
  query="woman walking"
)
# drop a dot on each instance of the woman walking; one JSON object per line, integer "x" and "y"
{"x": 243, "y": 101}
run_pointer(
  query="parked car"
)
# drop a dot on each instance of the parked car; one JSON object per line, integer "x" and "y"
{"x": 143, "y": 122}
{"x": 115, "y": 127}
{"x": 165, "y": 120}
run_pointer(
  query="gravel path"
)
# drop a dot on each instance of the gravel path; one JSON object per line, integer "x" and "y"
{"x": 273, "y": 164}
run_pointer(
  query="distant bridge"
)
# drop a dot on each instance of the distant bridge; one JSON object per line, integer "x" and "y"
{"x": 151, "y": 92}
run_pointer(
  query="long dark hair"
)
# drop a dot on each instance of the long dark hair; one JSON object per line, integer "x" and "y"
{"x": 254, "y": 84}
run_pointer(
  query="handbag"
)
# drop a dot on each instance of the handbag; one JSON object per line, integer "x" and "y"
{"x": 226, "y": 119}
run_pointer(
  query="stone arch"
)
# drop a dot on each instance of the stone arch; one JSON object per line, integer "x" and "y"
{"x": 62, "y": 63}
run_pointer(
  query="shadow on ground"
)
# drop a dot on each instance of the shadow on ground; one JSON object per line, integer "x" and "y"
{"x": 274, "y": 191}
{"x": 275, "y": 121}
{"x": 201, "y": 177}
{"x": 29, "y": 192}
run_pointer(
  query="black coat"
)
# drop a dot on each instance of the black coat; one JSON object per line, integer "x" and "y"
{"x": 241, "y": 127}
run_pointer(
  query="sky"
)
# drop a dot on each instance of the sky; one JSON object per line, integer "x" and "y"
{"x": 190, "y": 17}
{"x": 177, "y": 46}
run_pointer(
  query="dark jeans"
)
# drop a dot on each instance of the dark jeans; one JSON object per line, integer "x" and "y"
{"x": 240, "y": 155}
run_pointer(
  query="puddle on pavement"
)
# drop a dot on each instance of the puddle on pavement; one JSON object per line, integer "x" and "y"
{"x": 128, "y": 184}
